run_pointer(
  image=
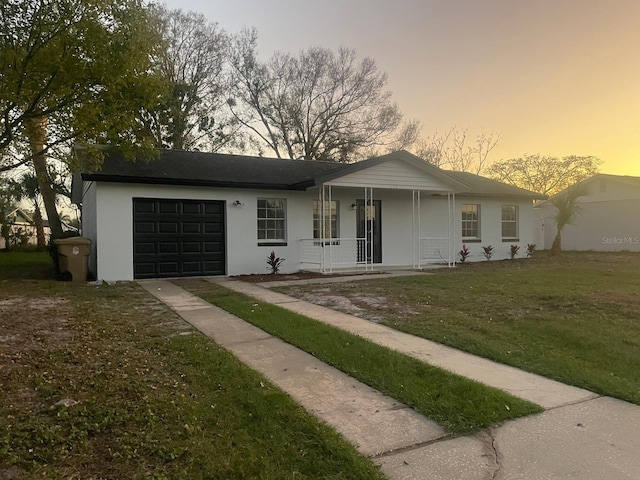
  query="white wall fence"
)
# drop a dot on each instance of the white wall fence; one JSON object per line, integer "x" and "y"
{"x": 434, "y": 250}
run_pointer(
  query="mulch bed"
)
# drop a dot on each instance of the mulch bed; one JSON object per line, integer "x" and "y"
{"x": 278, "y": 277}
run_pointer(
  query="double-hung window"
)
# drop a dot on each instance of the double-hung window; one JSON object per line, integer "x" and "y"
{"x": 329, "y": 227}
{"x": 471, "y": 222}
{"x": 509, "y": 222}
{"x": 272, "y": 221}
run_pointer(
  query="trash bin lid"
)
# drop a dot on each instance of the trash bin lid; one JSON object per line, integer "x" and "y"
{"x": 73, "y": 241}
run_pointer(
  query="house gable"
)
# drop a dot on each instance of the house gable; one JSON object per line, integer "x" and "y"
{"x": 393, "y": 174}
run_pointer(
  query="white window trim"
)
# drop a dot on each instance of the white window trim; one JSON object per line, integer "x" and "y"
{"x": 516, "y": 221}
{"x": 479, "y": 212}
{"x": 271, "y": 241}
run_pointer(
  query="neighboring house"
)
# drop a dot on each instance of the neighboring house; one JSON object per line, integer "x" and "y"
{"x": 190, "y": 213}
{"x": 21, "y": 229}
{"x": 609, "y": 218}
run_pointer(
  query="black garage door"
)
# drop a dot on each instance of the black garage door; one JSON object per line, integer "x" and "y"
{"x": 178, "y": 238}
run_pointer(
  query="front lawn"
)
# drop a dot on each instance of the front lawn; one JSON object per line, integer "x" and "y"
{"x": 574, "y": 318}
{"x": 105, "y": 382}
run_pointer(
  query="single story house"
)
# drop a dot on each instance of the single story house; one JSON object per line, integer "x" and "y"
{"x": 192, "y": 213}
{"x": 609, "y": 217}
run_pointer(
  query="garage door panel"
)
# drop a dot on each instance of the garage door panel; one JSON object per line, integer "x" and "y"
{"x": 145, "y": 248}
{"x": 168, "y": 268}
{"x": 168, "y": 207}
{"x": 168, "y": 227}
{"x": 142, "y": 270}
{"x": 168, "y": 247}
{"x": 175, "y": 238}
{"x": 145, "y": 227}
{"x": 191, "y": 247}
{"x": 192, "y": 208}
{"x": 144, "y": 206}
{"x": 191, "y": 227}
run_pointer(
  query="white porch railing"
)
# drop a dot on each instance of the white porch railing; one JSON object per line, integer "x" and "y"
{"x": 337, "y": 252}
{"x": 434, "y": 250}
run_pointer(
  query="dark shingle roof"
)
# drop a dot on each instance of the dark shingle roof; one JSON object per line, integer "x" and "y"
{"x": 178, "y": 167}
{"x": 487, "y": 186}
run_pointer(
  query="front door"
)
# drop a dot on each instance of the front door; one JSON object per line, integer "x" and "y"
{"x": 369, "y": 228}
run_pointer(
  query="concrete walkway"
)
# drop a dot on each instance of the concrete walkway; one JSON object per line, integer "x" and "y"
{"x": 546, "y": 393}
{"x": 583, "y": 436}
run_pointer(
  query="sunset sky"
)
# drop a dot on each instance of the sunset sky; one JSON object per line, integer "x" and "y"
{"x": 556, "y": 77}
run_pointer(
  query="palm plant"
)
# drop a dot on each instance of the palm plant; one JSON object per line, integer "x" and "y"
{"x": 567, "y": 209}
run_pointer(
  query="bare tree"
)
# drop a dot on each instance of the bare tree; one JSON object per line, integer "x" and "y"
{"x": 193, "y": 115}
{"x": 452, "y": 149}
{"x": 543, "y": 173}
{"x": 471, "y": 158}
{"x": 320, "y": 105}
{"x": 434, "y": 149}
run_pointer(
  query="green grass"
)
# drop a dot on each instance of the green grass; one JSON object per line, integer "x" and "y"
{"x": 574, "y": 318}
{"x": 458, "y": 404}
{"x": 152, "y": 401}
{"x": 25, "y": 265}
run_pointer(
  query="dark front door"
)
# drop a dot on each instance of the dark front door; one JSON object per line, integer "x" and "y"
{"x": 369, "y": 228}
{"x": 178, "y": 238}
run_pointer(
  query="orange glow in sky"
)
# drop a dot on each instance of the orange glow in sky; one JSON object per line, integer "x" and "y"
{"x": 556, "y": 77}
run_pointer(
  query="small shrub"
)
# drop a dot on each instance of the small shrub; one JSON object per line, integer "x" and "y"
{"x": 274, "y": 262}
{"x": 487, "y": 252}
{"x": 464, "y": 253}
{"x": 513, "y": 251}
{"x": 531, "y": 249}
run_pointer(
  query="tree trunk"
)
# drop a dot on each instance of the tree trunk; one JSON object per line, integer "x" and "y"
{"x": 556, "y": 247}
{"x": 36, "y": 129}
{"x": 37, "y": 219}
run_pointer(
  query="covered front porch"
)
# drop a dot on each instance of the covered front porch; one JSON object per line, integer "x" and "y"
{"x": 371, "y": 228}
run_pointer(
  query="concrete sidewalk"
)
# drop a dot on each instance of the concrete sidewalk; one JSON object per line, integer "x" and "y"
{"x": 583, "y": 437}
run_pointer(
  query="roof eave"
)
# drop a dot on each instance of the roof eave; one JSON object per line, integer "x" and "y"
{"x": 188, "y": 182}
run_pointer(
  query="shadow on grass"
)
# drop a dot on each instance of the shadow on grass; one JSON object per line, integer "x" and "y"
{"x": 25, "y": 265}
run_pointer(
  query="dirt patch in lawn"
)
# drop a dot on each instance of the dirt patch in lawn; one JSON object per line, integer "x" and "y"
{"x": 373, "y": 307}
{"x": 35, "y": 323}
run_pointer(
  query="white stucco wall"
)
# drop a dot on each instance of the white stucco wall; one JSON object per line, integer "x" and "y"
{"x": 491, "y": 227}
{"x": 108, "y": 221}
{"x": 89, "y": 227}
{"x": 114, "y": 233}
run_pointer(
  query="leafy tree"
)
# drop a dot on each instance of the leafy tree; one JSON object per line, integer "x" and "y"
{"x": 193, "y": 116}
{"x": 567, "y": 209}
{"x": 544, "y": 174}
{"x": 74, "y": 70}
{"x": 319, "y": 105}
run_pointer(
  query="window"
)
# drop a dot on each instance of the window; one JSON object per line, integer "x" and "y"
{"x": 510, "y": 222}
{"x": 471, "y": 221}
{"x": 331, "y": 224}
{"x": 272, "y": 220}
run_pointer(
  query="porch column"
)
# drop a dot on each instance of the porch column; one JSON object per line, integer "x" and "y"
{"x": 417, "y": 229}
